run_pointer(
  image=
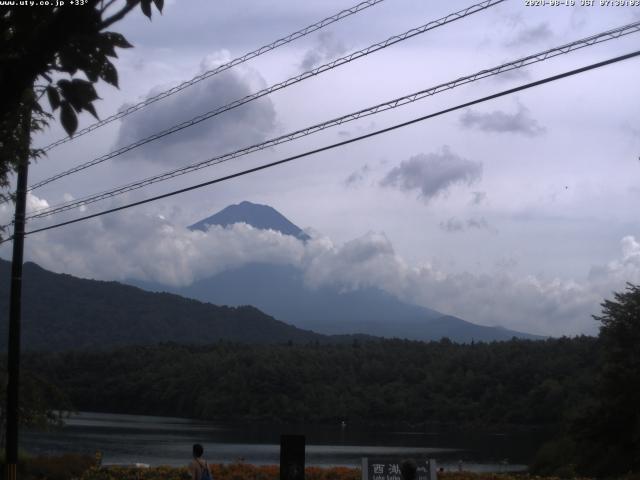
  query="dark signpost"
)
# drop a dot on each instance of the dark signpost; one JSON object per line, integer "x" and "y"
{"x": 292, "y": 457}
{"x": 388, "y": 468}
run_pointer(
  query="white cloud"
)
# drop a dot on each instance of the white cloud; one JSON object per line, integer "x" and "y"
{"x": 135, "y": 245}
{"x": 527, "y": 303}
{"x": 523, "y": 303}
{"x": 622, "y": 270}
{"x": 34, "y": 203}
{"x": 367, "y": 261}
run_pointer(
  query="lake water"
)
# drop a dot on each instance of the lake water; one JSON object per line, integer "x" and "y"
{"x": 130, "y": 439}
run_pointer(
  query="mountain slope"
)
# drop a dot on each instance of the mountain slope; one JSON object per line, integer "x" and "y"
{"x": 280, "y": 291}
{"x": 63, "y": 312}
{"x": 258, "y": 216}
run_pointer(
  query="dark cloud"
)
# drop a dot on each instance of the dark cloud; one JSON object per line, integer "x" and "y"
{"x": 357, "y": 130}
{"x": 433, "y": 174}
{"x": 531, "y": 35}
{"x": 517, "y": 74}
{"x": 633, "y": 134}
{"x": 242, "y": 126}
{"x": 453, "y": 225}
{"x": 477, "y": 198}
{"x": 506, "y": 263}
{"x": 358, "y": 176}
{"x": 500, "y": 122}
{"x": 326, "y": 48}
{"x": 479, "y": 222}
{"x": 579, "y": 17}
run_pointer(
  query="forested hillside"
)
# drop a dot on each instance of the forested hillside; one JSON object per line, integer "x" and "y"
{"x": 62, "y": 312}
{"x": 508, "y": 383}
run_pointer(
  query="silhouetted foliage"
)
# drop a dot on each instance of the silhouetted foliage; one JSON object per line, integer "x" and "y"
{"x": 37, "y": 398}
{"x": 601, "y": 434}
{"x": 607, "y": 434}
{"x": 43, "y": 49}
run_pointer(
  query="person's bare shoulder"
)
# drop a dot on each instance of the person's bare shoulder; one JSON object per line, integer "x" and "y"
{"x": 194, "y": 469}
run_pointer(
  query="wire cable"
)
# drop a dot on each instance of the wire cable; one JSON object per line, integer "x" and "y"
{"x": 345, "y": 142}
{"x": 236, "y": 61}
{"x": 397, "y": 102}
{"x": 278, "y": 86}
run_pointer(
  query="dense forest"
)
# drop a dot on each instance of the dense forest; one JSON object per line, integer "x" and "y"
{"x": 520, "y": 382}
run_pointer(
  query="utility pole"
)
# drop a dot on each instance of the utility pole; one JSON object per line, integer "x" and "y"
{"x": 15, "y": 308}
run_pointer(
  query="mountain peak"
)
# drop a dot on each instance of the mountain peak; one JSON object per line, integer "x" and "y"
{"x": 262, "y": 217}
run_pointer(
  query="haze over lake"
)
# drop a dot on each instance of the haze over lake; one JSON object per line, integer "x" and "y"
{"x": 130, "y": 439}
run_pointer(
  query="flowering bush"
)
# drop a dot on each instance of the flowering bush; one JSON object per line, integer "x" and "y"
{"x": 81, "y": 468}
{"x": 234, "y": 471}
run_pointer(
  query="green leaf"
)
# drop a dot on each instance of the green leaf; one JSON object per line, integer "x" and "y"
{"x": 77, "y": 92}
{"x": 146, "y": 7}
{"x": 68, "y": 59}
{"x": 92, "y": 110}
{"x": 84, "y": 90}
{"x": 92, "y": 71}
{"x": 68, "y": 118}
{"x": 54, "y": 97}
{"x": 117, "y": 40}
{"x": 109, "y": 73}
{"x": 65, "y": 88}
{"x": 106, "y": 46}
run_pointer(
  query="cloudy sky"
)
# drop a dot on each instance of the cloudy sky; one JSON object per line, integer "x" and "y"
{"x": 520, "y": 212}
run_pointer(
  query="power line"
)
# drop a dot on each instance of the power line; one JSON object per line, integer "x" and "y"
{"x": 278, "y": 86}
{"x": 531, "y": 59}
{"x": 346, "y": 142}
{"x": 236, "y": 61}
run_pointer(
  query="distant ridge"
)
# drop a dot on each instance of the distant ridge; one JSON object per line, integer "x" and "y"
{"x": 62, "y": 312}
{"x": 258, "y": 216}
{"x": 281, "y": 291}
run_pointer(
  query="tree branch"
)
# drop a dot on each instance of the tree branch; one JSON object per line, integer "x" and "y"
{"x": 118, "y": 16}
{"x": 104, "y": 8}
